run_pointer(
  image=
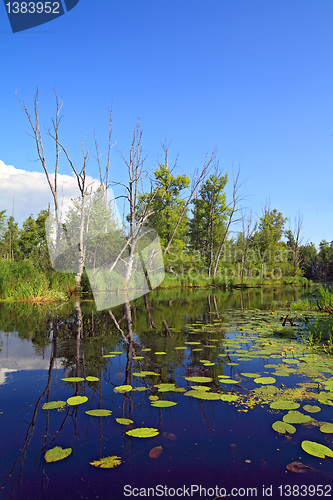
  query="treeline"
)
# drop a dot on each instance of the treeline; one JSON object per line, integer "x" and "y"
{"x": 196, "y": 238}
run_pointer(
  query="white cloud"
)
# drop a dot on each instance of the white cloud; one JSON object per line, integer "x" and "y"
{"x": 29, "y": 192}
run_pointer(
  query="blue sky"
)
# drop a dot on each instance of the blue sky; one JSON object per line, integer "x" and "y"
{"x": 252, "y": 78}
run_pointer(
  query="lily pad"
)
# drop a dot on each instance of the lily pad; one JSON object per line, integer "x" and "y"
{"x": 203, "y": 395}
{"x": 124, "y": 421}
{"x": 326, "y": 427}
{"x": 123, "y": 388}
{"x": 160, "y": 353}
{"x": 77, "y": 400}
{"x": 99, "y": 413}
{"x": 283, "y": 427}
{"x": 296, "y": 417}
{"x": 265, "y": 380}
{"x": 52, "y": 405}
{"x": 164, "y": 387}
{"x": 311, "y": 408}
{"x": 146, "y": 349}
{"x": 92, "y": 379}
{"x": 107, "y": 462}
{"x": 250, "y": 375}
{"x": 229, "y": 397}
{"x": 228, "y": 381}
{"x": 143, "y": 432}
{"x": 73, "y": 379}
{"x": 145, "y": 374}
{"x": 163, "y": 404}
{"x": 199, "y": 380}
{"x": 57, "y": 453}
{"x": 316, "y": 449}
{"x": 284, "y": 405}
{"x": 156, "y": 452}
{"x": 200, "y": 388}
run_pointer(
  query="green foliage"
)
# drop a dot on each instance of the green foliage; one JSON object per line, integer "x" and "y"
{"x": 166, "y": 201}
{"x": 210, "y": 213}
{"x": 57, "y": 453}
{"x": 325, "y": 297}
{"x": 300, "y": 305}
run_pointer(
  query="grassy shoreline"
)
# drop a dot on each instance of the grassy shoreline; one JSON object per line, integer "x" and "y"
{"x": 22, "y": 281}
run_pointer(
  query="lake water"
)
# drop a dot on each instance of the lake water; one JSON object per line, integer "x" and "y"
{"x": 203, "y": 448}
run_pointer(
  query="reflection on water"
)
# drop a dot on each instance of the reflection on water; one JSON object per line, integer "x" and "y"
{"x": 207, "y": 442}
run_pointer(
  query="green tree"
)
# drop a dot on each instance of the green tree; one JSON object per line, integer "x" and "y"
{"x": 268, "y": 236}
{"x": 11, "y": 239}
{"x": 210, "y": 213}
{"x": 32, "y": 240}
{"x": 167, "y": 206}
{"x": 309, "y": 256}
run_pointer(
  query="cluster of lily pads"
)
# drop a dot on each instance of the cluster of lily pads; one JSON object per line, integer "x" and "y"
{"x": 255, "y": 338}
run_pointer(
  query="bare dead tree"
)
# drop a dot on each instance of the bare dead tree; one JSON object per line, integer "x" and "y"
{"x": 247, "y": 230}
{"x": 233, "y": 210}
{"x": 296, "y": 232}
{"x": 33, "y": 119}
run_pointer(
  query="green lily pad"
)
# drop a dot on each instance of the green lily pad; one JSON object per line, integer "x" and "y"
{"x": 124, "y": 421}
{"x": 228, "y": 381}
{"x": 180, "y": 348}
{"x": 140, "y": 389}
{"x": 160, "y": 353}
{"x": 229, "y": 397}
{"x": 209, "y": 364}
{"x": 311, "y": 409}
{"x": 266, "y": 389}
{"x": 199, "y": 380}
{"x": 99, "y": 413}
{"x": 52, "y": 405}
{"x": 92, "y": 379}
{"x": 107, "y": 462}
{"x": 316, "y": 449}
{"x": 145, "y": 374}
{"x": 283, "y": 427}
{"x": 146, "y": 349}
{"x": 138, "y": 357}
{"x": 163, "y": 404}
{"x": 109, "y": 355}
{"x": 77, "y": 400}
{"x": 57, "y": 453}
{"x": 296, "y": 417}
{"x": 123, "y": 388}
{"x": 73, "y": 379}
{"x": 165, "y": 387}
{"x": 265, "y": 380}
{"x": 143, "y": 432}
{"x": 200, "y": 388}
{"x": 326, "y": 427}
{"x": 192, "y": 343}
{"x": 250, "y": 375}
{"x": 284, "y": 405}
{"x": 203, "y": 395}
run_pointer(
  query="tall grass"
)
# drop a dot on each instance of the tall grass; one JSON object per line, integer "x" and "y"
{"x": 23, "y": 281}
